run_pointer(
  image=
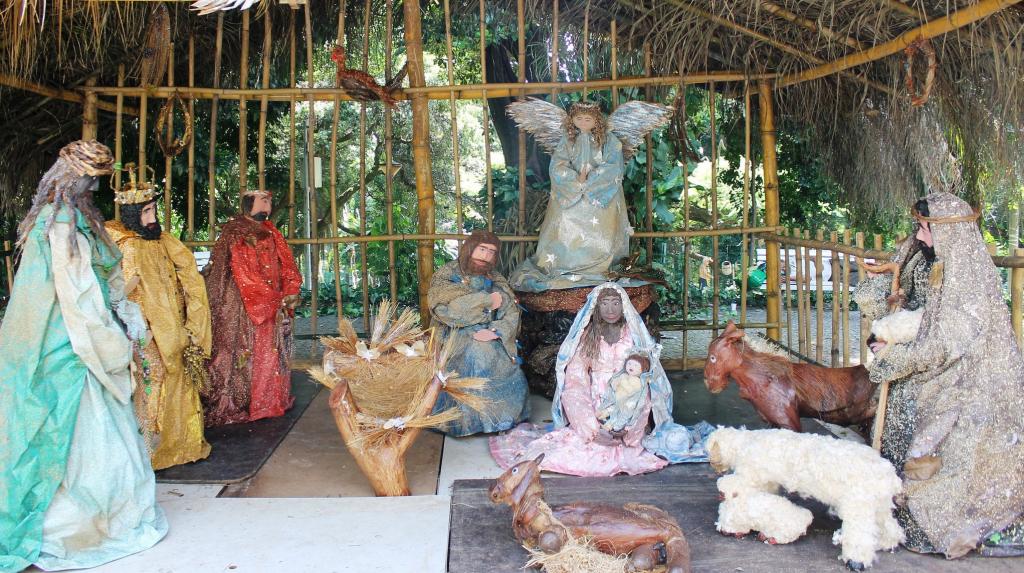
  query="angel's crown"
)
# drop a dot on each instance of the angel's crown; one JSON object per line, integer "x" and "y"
{"x": 135, "y": 192}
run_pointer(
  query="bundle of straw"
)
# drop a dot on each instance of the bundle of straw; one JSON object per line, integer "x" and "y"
{"x": 577, "y": 556}
{"x": 389, "y": 376}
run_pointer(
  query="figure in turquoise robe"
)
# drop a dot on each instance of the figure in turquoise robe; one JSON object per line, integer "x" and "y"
{"x": 76, "y": 486}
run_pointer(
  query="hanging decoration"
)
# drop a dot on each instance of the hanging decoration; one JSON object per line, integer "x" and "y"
{"x": 170, "y": 145}
{"x": 924, "y": 46}
{"x": 156, "y": 49}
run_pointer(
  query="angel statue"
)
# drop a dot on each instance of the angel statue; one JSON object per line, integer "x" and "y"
{"x": 586, "y": 227}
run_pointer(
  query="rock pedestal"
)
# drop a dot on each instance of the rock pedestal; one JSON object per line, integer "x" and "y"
{"x": 546, "y": 321}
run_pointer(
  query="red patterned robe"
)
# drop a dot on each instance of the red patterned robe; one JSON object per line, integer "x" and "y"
{"x": 251, "y": 270}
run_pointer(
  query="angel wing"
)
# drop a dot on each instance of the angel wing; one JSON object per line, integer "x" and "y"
{"x": 633, "y": 120}
{"x": 541, "y": 119}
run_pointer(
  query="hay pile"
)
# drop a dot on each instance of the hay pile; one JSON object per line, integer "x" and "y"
{"x": 577, "y": 556}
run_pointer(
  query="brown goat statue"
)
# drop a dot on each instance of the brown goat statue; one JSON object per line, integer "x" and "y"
{"x": 647, "y": 534}
{"x": 782, "y": 391}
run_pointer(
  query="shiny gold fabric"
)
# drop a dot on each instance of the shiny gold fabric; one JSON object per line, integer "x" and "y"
{"x": 172, "y": 295}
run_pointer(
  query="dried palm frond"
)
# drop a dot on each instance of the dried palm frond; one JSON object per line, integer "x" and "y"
{"x": 156, "y": 49}
{"x": 388, "y": 331}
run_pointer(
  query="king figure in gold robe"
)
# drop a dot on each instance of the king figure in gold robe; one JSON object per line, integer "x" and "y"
{"x": 168, "y": 371}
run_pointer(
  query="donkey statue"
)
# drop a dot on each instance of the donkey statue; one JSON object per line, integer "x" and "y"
{"x": 782, "y": 391}
{"x": 647, "y": 534}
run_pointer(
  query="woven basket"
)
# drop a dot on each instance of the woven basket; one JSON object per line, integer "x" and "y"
{"x": 572, "y": 299}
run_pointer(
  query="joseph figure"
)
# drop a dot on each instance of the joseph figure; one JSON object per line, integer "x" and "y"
{"x": 474, "y": 303}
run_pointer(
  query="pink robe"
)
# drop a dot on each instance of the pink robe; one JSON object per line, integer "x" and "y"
{"x": 582, "y": 448}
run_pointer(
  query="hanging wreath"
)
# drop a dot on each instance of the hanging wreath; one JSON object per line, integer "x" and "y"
{"x": 165, "y": 137}
{"x": 924, "y": 46}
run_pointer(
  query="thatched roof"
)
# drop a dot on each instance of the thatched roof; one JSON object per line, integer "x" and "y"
{"x": 881, "y": 149}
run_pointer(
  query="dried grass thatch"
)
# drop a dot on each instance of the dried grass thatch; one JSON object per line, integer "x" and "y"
{"x": 883, "y": 151}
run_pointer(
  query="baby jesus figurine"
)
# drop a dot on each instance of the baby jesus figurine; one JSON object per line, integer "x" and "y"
{"x": 623, "y": 401}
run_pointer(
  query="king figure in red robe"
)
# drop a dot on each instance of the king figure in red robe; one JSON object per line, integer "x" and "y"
{"x": 253, "y": 286}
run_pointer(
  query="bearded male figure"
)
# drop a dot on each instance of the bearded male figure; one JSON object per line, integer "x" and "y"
{"x": 475, "y": 304}
{"x": 253, "y": 286}
{"x": 76, "y": 486}
{"x": 173, "y": 299}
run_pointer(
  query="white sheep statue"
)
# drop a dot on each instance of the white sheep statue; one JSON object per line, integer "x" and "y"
{"x": 855, "y": 482}
{"x": 744, "y": 509}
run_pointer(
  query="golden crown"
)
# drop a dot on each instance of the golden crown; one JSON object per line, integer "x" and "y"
{"x": 135, "y": 191}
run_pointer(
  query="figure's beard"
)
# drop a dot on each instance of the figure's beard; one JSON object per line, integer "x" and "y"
{"x": 928, "y": 252}
{"x": 261, "y": 216}
{"x": 150, "y": 232}
{"x": 478, "y": 267}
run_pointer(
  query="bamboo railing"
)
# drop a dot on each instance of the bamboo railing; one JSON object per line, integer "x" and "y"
{"x": 796, "y": 307}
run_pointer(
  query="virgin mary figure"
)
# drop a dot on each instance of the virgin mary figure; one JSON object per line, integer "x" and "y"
{"x": 606, "y": 331}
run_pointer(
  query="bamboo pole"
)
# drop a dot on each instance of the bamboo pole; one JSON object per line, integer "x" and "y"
{"x": 686, "y": 220}
{"x": 243, "y": 112}
{"x": 807, "y": 295}
{"x": 504, "y": 238}
{"x": 554, "y": 50}
{"x": 846, "y": 301}
{"x": 745, "y": 238}
{"x": 389, "y": 175}
{"x": 143, "y": 116}
{"x": 212, "y": 165}
{"x": 168, "y": 160}
{"x": 958, "y": 19}
{"x": 771, "y": 204}
{"x": 801, "y": 340}
{"x": 261, "y": 142}
{"x": 191, "y": 185}
{"x": 521, "y": 133}
{"x": 865, "y": 325}
{"x": 716, "y": 273}
{"x": 649, "y": 187}
{"x": 90, "y": 121}
{"x": 615, "y": 62}
{"x": 311, "y": 193}
{"x": 486, "y": 117}
{"x": 364, "y": 273}
{"x": 118, "y": 133}
{"x": 9, "y": 263}
{"x": 292, "y": 58}
{"x": 819, "y": 349}
{"x": 1016, "y": 299}
{"x": 586, "y": 48}
{"x": 837, "y": 303}
{"x": 421, "y": 153}
{"x": 462, "y": 91}
{"x": 456, "y": 161}
{"x": 335, "y": 255}
{"x": 787, "y": 301}
{"x": 58, "y": 93}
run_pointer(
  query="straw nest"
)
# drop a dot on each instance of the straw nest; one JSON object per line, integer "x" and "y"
{"x": 578, "y": 556}
{"x": 390, "y": 374}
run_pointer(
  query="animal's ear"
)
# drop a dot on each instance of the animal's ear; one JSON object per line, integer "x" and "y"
{"x": 537, "y": 460}
{"x": 732, "y": 333}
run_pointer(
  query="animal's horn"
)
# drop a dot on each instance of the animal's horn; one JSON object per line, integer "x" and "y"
{"x": 537, "y": 460}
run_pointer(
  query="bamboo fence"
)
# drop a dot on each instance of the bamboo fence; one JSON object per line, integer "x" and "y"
{"x": 802, "y": 294}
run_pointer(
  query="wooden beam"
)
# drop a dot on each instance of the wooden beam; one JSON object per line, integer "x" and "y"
{"x": 793, "y": 51}
{"x": 936, "y": 27}
{"x": 90, "y": 125}
{"x": 776, "y": 10}
{"x": 72, "y": 96}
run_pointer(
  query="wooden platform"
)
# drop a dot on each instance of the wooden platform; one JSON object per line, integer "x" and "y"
{"x": 481, "y": 532}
